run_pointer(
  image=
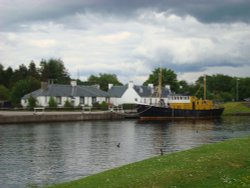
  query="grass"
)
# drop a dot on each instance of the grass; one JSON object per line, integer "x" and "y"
{"x": 224, "y": 164}
{"x": 236, "y": 108}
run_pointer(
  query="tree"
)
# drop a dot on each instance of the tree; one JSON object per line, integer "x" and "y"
{"x": 19, "y": 74}
{"x": 103, "y": 80}
{"x": 244, "y": 88}
{"x": 21, "y": 88}
{"x": 4, "y": 93}
{"x": 52, "y": 102}
{"x": 184, "y": 87}
{"x": 168, "y": 78}
{"x": 68, "y": 104}
{"x": 54, "y": 70}
{"x": 33, "y": 71}
{"x": 31, "y": 102}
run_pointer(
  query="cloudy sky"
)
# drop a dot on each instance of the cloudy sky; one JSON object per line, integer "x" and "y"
{"x": 129, "y": 38}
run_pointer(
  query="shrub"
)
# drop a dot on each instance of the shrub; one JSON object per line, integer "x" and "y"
{"x": 31, "y": 102}
{"x": 52, "y": 102}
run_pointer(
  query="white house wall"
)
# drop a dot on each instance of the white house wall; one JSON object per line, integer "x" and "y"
{"x": 130, "y": 96}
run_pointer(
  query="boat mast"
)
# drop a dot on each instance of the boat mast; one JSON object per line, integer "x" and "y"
{"x": 205, "y": 87}
{"x": 160, "y": 84}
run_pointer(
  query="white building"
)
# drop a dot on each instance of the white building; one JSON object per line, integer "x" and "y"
{"x": 76, "y": 94}
{"x": 131, "y": 93}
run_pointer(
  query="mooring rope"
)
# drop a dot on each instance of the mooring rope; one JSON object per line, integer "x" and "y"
{"x": 134, "y": 113}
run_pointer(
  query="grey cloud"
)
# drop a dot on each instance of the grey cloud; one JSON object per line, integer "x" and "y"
{"x": 13, "y": 12}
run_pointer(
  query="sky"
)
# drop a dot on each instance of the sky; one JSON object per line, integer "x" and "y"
{"x": 129, "y": 38}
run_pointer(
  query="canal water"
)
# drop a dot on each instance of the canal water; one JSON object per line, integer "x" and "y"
{"x": 41, "y": 154}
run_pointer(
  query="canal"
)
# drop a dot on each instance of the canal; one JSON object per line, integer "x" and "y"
{"x": 41, "y": 154}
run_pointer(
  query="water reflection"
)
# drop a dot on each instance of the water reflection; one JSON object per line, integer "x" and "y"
{"x": 55, "y": 152}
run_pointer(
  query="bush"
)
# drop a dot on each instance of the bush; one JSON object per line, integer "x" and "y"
{"x": 31, "y": 102}
{"x": 68, "y": 104}
{"x": 52, "y": 102}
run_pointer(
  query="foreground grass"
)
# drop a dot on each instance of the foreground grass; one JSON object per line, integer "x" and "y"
{"x": 225, "y": 164}
{"x": 235, "y": 108}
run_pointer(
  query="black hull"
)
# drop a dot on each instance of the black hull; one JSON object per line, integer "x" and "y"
{"x": 154, "y": 112}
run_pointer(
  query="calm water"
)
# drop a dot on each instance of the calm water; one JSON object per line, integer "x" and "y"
{"x": 40, "y": 154}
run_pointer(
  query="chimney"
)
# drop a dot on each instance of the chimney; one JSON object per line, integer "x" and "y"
{"x": 110, "y": 86}
{"x": 151, "y": 85}
{"x": 44, "y": 86}
{"x": 130, "y": 84}
{"x": 73, "y": 83}
{"x": 168, "y": 88}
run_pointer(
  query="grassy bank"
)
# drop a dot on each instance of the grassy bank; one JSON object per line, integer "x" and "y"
{"x": 236, "y": 108}
{"x": 225, "y": 164}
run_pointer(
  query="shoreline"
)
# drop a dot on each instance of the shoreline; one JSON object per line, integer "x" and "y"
{"x": 10, "y": 117}
{"x": 219, "y": 164}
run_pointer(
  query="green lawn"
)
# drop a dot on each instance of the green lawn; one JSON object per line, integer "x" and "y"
{"x": 224, "y": 164}
{"x": 236, "y": 108}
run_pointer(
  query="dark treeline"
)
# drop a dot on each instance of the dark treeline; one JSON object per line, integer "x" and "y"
{"x": 14, "y": 84}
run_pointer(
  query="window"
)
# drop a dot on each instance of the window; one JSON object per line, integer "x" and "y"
{"x": 93, "y": 100}
{"x": 59, "y": 100}
{"x": 82, "y": 100}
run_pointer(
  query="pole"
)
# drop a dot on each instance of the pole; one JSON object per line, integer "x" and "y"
{"x": 160, "y": 84}
{"x": 237, "y": 89}
{"x": 205, "y": 88}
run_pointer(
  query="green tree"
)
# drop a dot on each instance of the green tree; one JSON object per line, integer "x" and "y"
{"x": 5, "y": 76}
{"x": 68, "y": 104}
{"x": 184, "y": 88}
{"x": 31, "y": 102}
{"x": 103, "y": 80}
{"x": 168, "y": 78}
{"x": 21, "y": 88}
{"x": 54, "y": 69}
{"x": 52, "y": 102}
{"x": 4, "y": 93}
{"x": 243, "y": 88}
{"x": 33, "y": 71}
{"x": 19, "y": 74}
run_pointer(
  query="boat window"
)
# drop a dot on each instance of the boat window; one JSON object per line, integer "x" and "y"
{"x": 180, "y": 98}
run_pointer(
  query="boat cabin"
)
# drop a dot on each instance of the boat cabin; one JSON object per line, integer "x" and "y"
{"x": 189, "y": 103}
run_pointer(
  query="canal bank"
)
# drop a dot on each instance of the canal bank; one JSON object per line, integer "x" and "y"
{"x": 7, "y": 117}
{"x": 224, "y": 164}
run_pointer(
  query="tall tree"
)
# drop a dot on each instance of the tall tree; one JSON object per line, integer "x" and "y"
{"x": 19, "y": 74}
{"x": 54, "y": 69}
{"x": 168, "y": 78}
{"x": 4, "y": 93}
{"x": 23, "y": 87}
{"x": 33, "y": 71}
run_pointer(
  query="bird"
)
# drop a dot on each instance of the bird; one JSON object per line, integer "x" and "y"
{"x": 161, "y": 151}
{"x": 118, "y": 145}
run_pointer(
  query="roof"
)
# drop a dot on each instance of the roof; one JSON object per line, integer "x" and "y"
{"x": 117, "y": 91}
{"x": 142, "y": 91}
{"x": 68, "y": 91}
